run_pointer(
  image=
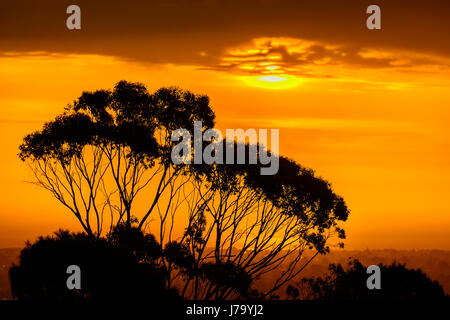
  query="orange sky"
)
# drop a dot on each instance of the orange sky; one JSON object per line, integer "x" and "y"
{"x": 371, "y": 117}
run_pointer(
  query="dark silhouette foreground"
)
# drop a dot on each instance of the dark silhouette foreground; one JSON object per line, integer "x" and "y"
{"x": 109, "y": 270}
{"x": 126, "y": 264}
{"x": 397, "y": 283}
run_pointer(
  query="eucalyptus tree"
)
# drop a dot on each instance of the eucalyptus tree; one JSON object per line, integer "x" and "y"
{"x": 219, "y": 227}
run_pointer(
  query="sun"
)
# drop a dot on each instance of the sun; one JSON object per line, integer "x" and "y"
{"x": 272, "y": 81}
{"x": 272, "y": 78}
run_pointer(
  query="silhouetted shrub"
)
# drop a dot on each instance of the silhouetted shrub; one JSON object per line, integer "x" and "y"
{"x": 397, "y": 283}
{"x": 109, "y": 270}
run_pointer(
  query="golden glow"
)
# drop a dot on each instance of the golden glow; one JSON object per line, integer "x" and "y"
{"x": 380, "y": 136}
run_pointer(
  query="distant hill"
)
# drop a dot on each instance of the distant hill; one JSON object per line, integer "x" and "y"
{"x": 435, "y": 263}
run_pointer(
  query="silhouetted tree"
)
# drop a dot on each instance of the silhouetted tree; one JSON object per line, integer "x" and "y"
{"x": 110, "y": 146}
{"x": 397, "y": 283}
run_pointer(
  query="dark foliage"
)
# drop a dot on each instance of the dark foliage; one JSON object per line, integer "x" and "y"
{"x": 397, "y": 283}
{"x": 109, "y": 269}
{"x": 124, "y": 265}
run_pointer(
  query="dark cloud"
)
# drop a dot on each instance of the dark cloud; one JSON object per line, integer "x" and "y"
{"x": 200, "y": 33}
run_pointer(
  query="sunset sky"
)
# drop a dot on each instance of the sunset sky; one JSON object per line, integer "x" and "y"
{"x": 368, "y": 110}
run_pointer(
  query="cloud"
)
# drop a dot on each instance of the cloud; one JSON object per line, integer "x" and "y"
{"x": 306, "y": 58}
{"x": 199, "y": 32}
